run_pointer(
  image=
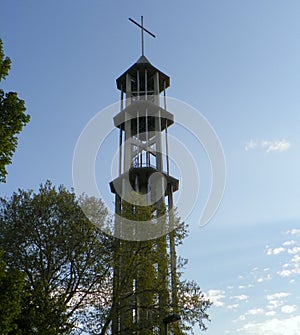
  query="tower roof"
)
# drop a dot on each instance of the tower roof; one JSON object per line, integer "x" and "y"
{"x": 143, "y": 60}
{"x": 141, "y": 64}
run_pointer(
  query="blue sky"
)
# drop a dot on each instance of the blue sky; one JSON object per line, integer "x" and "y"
{"x": 237, "y": 62}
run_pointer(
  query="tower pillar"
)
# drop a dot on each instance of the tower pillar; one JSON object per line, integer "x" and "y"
{"x": 144, "y": 283}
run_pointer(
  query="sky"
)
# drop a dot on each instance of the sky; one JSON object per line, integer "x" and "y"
{"x": 235, "y": 61}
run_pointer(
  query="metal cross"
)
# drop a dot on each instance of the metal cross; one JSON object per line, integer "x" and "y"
{"x": 142, "y": 29}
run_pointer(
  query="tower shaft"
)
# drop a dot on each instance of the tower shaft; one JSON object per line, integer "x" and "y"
{"x": 145, "y": 279}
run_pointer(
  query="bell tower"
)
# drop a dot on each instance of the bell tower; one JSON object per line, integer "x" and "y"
{"x": 145, "y": 279}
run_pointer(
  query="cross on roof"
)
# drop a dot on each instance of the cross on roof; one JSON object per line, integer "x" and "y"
{"x": 142, "y": 29}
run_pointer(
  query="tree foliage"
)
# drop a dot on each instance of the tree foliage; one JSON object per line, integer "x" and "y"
{"x": 12, "y": 118}
{"x": 64, "y": 257}
{"x": 68, "y": 266}
{"x": 11, "y": 294}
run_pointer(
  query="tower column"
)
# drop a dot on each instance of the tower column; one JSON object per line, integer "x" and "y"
{"x": 145, "y": 278}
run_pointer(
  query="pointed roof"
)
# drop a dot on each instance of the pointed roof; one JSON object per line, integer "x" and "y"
{"x": 143, "y": 60}
{"x": 141, "y": 64}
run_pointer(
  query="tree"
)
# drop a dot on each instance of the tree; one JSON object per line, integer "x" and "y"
{"x": 11, "y": 294}
{"x": 68, "y": 265}
{"x": 12, "y": 118}
{"x": 64, "y": 257}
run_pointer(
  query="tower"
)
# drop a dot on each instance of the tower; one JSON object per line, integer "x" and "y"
{"x": 145, "y": 279}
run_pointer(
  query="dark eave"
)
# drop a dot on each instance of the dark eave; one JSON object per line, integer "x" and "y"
{"x": 142, "y": 64}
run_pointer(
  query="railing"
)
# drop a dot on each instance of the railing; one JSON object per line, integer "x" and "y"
{"x": 143, "y": 96}
{"x": 136, "y": 164}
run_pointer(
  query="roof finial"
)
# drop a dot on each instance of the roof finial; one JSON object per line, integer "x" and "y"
{"x": 142, "y": 30}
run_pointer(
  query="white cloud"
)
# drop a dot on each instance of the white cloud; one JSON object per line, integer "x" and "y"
{"x": 270, "y": 313}
{"x": 276, "y": 300}
{"x": 241, "y": 297}
{"x": 271, "y": 146}
{"x": 278, "y": 295}
{"x": 293, "y": 231}
{"x": 250, "y": 145}
{"x": 240, "y": 318}
{"x": 274, "y": 251}
{"x": 294, "y": 250}
{"x": 296, "y": 259}
{"x": 250, "y": 312}
{"x": 262, "y": 279}
{"x": 268, "y": 146}
{"x": 255, "y": 311}
{"x": 293, "y": 266}
{"x": 289, "y": 243}
{"x": 216, "y": 296}
{"x": 269, "y": 277}
{"x": 288, "y": 309}
{"x": 285, "y": 273}
{"x": 289, "y": 326}
{"x": 233, "y": 306}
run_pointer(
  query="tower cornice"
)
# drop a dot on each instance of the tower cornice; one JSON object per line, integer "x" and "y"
{"x": 141, "y": 65}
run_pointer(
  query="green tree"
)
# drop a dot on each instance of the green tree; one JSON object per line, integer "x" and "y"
{"x": 68, "y": 265}
{"x": 11, "y": 294}
{"x": 65, "y": 258}
{"x": 12, "y": 118}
